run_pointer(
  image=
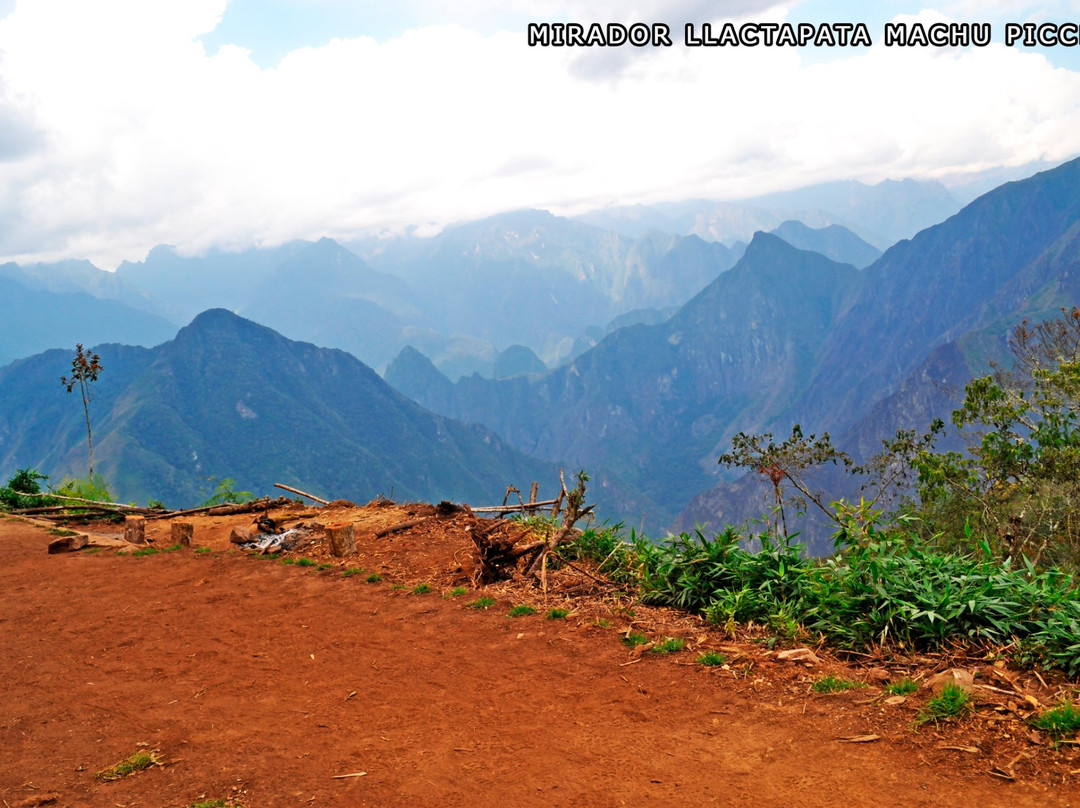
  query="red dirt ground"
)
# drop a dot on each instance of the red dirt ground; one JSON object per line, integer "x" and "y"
{"x": 260, "y": 684}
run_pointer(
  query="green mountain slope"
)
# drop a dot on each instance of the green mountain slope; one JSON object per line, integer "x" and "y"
{"x": 230, "y": 398}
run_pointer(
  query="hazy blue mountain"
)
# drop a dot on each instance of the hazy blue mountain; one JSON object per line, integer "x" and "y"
{"x": 230, "y": 398}
{"x": 35, "y": 320}
{"x": 881, "y": 214}
{"x": 531, "y": 278}
{"x": 187, "y": 285}
{"x": 82, "y": 276}
{"x": 834, "y": 242}
{"x": 328, "y": 295}
{"x": 517, "y": 360}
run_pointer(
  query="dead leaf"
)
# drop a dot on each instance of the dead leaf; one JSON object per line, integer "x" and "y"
{"x": 893, "y": 701}
{"x": 971, "y": 750}
{"x": 860, "y": 739}
{"x": 343, "y": 776}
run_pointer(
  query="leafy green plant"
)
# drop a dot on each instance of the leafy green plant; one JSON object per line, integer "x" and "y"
{"x": 209, "y": 804}
{"x": 287, "y": 561}
{"x": 902, "y": 687}
{"x": 225, "y": 493}
{"x": 306, "y": 562}
{"x": 834, "y": 684}
{"x": 521, "y": 610}
{"x": 350, "y": 572}
{"x": 456, "y": 592}
{"x": 326, "y": 565}
{"x": 669, "y": 645}
{"x": 201, "y": 550}
{"x": 557, "y": 614}
{"x": 421, "y": 589}
{"x": 374, "y": 578}
{"x": 951, "y": 703}
{"x": 483, "y": 602}
{"x": 712, "y": 659}
{"x": 1058, "y": 722}
{"x": 635, "y": 638}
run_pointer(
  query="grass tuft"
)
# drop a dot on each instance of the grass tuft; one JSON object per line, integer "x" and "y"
{"x": 1059, "y": 721}
{"x": 306, "y": 562}
{"x": 374, "y": 578}
{"x": 350, "y": 572}
{"x": 557, "y": 614}
{"x": 521, "y": 610}
{"x": 712, "y": 659}
{"x": 670, "y": 645}
{"x": 203, "y": 550}
{"x": 456, "y": 592}
{"x": 834, "y": 684}
{"x": 634, "y": 638}
{"x": 952, "y": 702}
{"x": 421, "y": 589}
{"x": 482, "y": 603}
{"x": 902, "y": 687}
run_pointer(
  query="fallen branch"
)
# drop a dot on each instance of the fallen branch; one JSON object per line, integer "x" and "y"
{"x": 301, "y": 493}
{"x": 400, "y": 526}
{"x": 575, "y": 509}
{"x": 104, "y": 505}
{"x": 225, "y": 510}
{"x": 525, "y": 506}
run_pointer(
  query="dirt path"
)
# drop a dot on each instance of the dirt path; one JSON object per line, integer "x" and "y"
{"x": 260, "y": 682}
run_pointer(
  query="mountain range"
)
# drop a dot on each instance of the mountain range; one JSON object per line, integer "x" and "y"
{"x": 636, "y": 358}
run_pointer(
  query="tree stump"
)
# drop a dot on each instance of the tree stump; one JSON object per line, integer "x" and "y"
{"x": 342, "y": 539}
{"x": 183, "y": 533}
{"x": 135, "y": 529}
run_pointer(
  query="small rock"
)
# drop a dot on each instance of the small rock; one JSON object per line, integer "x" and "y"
{"x": 958, "y": 676}
{"x": 799, "y": 655}
{"x": 242, "y": 535}
{"x": 878, "y": 676}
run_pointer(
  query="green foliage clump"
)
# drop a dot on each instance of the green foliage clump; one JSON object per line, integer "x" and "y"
{"x": 374, "y": 578}
{"x": 557, "y": 614}
{"x": 456, "y": 592}
{"x": 634, "y": 639}
{"x": 350, "y": 572}
{"x": 421, "y": 589}
{"x": 483, "y": 602}
{"x": 13, "y": 495}
{"x": 522, "y": 610}
{"x": 92, "y": 487}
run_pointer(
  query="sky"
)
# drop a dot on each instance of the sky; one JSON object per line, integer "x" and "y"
{"x": 235, "y": 123}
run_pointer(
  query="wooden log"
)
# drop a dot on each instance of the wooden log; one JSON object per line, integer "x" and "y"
{"x": 262, "y": 504}
{"x": 342, "y": 539}
{"x": 135, "y": 529}
{"x": 101, "y": 505}
{"x": 183, "y": 533}
{"x": 301, "y": 493}
{"x": 513, "y": 508}
{"x": 532, "y": 497}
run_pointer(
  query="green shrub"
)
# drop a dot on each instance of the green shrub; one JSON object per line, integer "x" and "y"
{"x": 951, "y": 703}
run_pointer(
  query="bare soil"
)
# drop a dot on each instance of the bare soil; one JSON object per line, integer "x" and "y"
{"x": 262, "y": 683}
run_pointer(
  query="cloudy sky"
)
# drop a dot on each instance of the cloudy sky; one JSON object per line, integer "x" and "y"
{"x": 130, "y": 123}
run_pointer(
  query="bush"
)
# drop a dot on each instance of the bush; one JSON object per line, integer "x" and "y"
{"x": 24, "y": 481}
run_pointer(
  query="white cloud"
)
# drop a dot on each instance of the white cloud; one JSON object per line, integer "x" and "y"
{"x": 144, "y": 138}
